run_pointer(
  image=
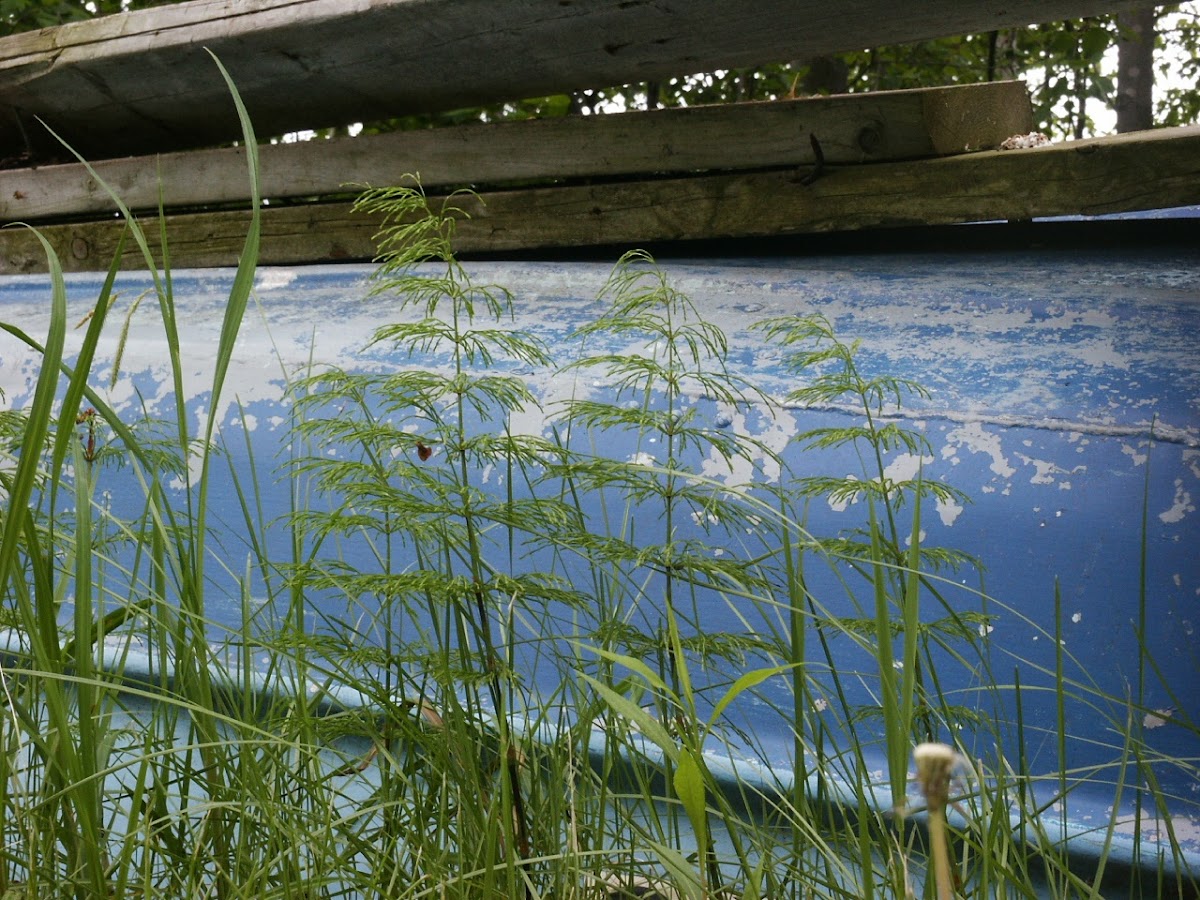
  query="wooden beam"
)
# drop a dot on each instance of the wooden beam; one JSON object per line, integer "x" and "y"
{"x": 1142, "y": 170}
{"x": 141, "y": 81}
{"x": 869, "y": 127}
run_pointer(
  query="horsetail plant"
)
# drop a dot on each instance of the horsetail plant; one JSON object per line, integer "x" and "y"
{"x": 674, "y": 361}
{"x": 412, "y": 475}
{"x": 834, "y": 379}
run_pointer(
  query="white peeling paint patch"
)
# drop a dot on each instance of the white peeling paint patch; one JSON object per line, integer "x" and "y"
{"x": 974, "y": 438}
{"x": 195, "y": 461}
{"x": 1157, "y": 718}
{"x": 783, "y": 429}
{"x": 1077, "y": 618}
{"x": 1177, "y": 829}
{"x": 905, "y": 467}
{"x": 1137, "y": 458}
{"x": 528, "y": 420}
{"x": 949, "y": 511}
{"x": 1045, "y": 470}
{"x": 553, "y": 390}
{"x": 844, "y": 504}
{"x": 1180, "y": 507}
{"x": 740, "y": 470}
{"x": 273, "y": 279}
{"x": 1191, "y": 459}
{"x": 125, "y": 641}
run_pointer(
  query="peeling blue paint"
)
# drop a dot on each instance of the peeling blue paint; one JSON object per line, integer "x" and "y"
{"x": 1065, "y": 394}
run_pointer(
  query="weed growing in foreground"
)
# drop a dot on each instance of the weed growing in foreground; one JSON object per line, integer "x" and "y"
{"x": 431, "y": 595}
{"x": 408, "y": 479}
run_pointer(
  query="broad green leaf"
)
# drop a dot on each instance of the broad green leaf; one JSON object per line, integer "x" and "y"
{"x": 634, "y": 665}
{"x": 745, "y": 682}
{"x": 689, "y": 788}
{"x": 646, "y": 723}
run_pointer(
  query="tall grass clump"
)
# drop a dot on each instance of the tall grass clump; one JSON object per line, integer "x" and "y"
{"x": 141, "y": 756}
{"x": 887, "y": 551}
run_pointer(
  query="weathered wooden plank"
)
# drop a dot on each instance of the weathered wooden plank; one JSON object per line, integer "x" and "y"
{"x": 1145, "y": 170}
{"x": 139, "y": 82}
{"x": 851, "y": 128}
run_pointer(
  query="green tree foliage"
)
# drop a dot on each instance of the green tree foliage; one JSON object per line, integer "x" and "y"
{"x": 24, "y": 15}
{"x": 1179, "y": 103}
{"x": 1070, "y": 68}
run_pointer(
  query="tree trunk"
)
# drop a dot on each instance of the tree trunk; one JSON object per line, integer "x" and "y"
{"x": 1002, "y": 55}
{"x": 827, "y": 75}
{"x": 1135, "y": 69}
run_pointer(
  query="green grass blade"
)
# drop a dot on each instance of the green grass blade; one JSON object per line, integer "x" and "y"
{"x": 41, "y": 413}
{"x": 912, "y": 620}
